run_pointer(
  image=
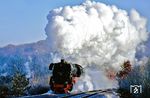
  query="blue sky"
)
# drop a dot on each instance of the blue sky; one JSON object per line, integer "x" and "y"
{"x": 23, "y": 21}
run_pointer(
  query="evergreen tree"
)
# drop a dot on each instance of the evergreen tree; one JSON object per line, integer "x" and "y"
{"x": 19, "y": 84}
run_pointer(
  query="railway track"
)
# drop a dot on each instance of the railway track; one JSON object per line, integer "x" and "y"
{"x": 88, "y": 94}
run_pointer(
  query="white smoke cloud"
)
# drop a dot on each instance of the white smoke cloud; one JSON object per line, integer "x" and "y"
{"x": 97, "y": 36}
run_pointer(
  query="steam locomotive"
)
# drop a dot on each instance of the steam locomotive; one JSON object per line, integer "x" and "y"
{"x": 64, "y": 76}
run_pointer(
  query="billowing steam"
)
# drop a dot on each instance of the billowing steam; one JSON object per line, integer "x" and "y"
{"x": 97, "y": 36}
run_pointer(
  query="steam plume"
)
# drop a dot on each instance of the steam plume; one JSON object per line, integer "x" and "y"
{"x": 97, "y": 36}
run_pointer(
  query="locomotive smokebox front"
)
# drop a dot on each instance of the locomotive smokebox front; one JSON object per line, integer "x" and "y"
{"x": 63, "y": 76}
